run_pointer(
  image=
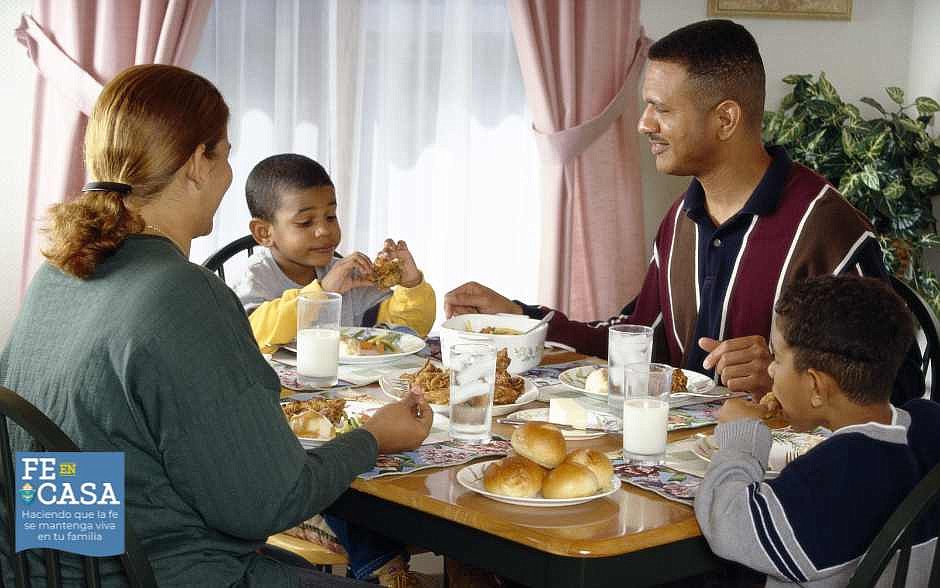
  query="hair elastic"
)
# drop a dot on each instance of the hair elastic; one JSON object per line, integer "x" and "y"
{"x": 107, "y": 187}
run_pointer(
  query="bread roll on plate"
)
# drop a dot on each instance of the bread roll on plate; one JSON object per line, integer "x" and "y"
{"x": 569, "y": 480}
{"x": 312, "y": 425}
{"x": 595, "y": 461}
{"x": 540, "y": 442}
{"x": 514, "y": 476}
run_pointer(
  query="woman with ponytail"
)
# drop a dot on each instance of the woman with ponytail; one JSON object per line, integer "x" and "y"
{"x": 129, "y": 347}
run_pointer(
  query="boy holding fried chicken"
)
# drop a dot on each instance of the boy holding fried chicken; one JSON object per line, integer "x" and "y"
{"x": 294, "y": 217}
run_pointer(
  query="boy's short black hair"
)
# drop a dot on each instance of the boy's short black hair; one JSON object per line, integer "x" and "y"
{"x": 287, "y": 171}
{"x": 722, "y": 61}
{"x": 857, "y": 330}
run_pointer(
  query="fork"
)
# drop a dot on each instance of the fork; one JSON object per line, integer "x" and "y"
{"x": 398, "y": 384}
{"x": 791, "y": 455}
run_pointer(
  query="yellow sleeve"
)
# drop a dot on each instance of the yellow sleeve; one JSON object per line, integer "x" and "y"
{"x": 274, "y": 323}
{"x": 413, "y": 307}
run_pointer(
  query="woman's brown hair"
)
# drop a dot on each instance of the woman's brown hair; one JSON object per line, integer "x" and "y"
{"x": 146, "y": 124}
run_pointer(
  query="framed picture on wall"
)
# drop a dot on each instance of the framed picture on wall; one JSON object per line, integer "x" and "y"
{"x": 828, "y": 9}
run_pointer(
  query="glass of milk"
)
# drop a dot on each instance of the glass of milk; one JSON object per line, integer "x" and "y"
{"x": 645, "y": 412}
{"x": 472, "y": 382}
{"x": 626, "y": 344}
{"x": 318, "y": 331}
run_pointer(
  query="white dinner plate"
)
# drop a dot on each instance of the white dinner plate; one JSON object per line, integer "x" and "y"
{"x": 409, "y": 345}
{"x": 595, "y": 420}
{"x": 471, "y": 478}
{"x": 529, "y": 394}
{"x": 576, "y": 378}
{"x": 783, "y": 441}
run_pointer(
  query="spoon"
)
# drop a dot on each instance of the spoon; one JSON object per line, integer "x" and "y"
{"x": 544, "y": 320}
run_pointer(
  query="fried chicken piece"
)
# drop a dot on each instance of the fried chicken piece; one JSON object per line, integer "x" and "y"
{"x": 333, "y": 410}
{"x": 431, "y": 381}
{"x": 387, "y": 272}
{"x": 680, "y": 381}
{"x": 770, "y": 402}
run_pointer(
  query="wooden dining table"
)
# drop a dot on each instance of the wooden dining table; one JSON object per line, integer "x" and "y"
{"x": 630, "y": 538}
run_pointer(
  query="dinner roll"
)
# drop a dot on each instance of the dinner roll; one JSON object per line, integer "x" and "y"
{"x": 595, "y": 461}
{"x": 569, "y": 480}
{"x": 596, "y": 382}
{"x": 514, "y": 476}
{"x": 312, "y": 425}
{"x": 540, "y": 442}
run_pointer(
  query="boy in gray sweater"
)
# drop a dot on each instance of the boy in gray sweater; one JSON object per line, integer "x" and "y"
{"x": 837, "y": 345}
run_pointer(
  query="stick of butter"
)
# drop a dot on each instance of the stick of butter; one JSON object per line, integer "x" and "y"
{"x": 567, "y": 411}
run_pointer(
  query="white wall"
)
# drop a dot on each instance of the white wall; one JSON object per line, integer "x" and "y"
{"x": 16, "y": 100}
{"x": 860, "y": 56}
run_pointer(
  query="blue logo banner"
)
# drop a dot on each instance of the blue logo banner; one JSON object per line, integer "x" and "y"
{"x": 71, "y": 501}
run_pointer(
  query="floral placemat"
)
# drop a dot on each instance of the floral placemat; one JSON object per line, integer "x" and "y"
{"x": 547, "y": 375}
{"x": 694, "y": 416}
{"x": 664, "y": 481}
{"x": 435, "y": 455}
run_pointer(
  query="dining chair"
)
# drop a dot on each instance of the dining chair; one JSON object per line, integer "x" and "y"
{"x": 49, "y": 437}
{"x": 914, "y": 519}
{"x": 216, "y": 261}
{"x": 928, "y": 325}
{"x": 322, "y": 558}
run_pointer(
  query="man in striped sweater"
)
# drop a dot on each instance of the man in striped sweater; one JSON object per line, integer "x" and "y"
{"x": 751, "y": 221}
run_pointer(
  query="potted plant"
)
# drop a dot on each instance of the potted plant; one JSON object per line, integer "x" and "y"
{"x": 887, "y": 166}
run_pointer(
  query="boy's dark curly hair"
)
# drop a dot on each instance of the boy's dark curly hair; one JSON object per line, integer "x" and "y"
{"x": 286, "y": 171}
{"x": 855, "y": 329}
{"x": 722, "y": 61}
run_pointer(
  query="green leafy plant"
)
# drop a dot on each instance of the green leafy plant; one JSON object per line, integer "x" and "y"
{"x": 887, "y": 166}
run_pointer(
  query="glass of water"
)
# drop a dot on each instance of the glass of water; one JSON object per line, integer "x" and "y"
{"x": 626, "y": 344}
{"x": 318, "y": 316}
{"x": 646, "y": 412}
{"x": 472, "y": 381}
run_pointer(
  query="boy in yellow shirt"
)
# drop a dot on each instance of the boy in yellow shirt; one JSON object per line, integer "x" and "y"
{"x": 293, "y": 208}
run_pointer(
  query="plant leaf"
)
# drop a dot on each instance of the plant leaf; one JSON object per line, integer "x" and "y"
{"x": 849, "y": 144}
{"x": 874, "y": 104}
{"x": 894, "y": 190}
{"x": 926, "y": 105}
{"x": 896, "y": 94}
{"x": 877, "y": 145}
{"x": 922, "y": 177}
{"x": 827, "y": 91}
{"x": 910, "y": 125}
{"x": 869, "y": 177}
{"x": 794, "y": 78}
{"x": 788, "y": 101}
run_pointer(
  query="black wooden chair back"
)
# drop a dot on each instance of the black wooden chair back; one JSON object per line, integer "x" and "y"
{"x": 927, "y": 322}
{"x": 50, "y": 437}
{"x": 216, "y": 261}
{"x": 914, "y": 519}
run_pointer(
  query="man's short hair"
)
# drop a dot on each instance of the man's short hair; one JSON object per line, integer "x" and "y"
{"x": 722, "y": 61}
{"x": 287, "y": 171}
{"x": 857, "y": 330}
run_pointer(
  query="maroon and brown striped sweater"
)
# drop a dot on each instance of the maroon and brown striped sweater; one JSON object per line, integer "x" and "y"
{"x": 811, "y": 230}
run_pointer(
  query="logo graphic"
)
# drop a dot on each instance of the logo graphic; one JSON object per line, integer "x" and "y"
{"x": 70, "y": 501}
{"x": 27, "y": 493}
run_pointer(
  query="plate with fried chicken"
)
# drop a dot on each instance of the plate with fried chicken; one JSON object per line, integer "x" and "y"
{"x": 319, "y": 420}
{"x": 510, "y": 393}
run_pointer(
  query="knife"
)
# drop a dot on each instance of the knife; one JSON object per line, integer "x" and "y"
{"x": 505, "y": 421}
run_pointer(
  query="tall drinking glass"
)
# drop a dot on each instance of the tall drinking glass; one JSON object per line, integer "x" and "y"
{"x": 646, "y": 412}
{"x": 472, "y": 382}
{"x": 626, "y": 344}
{"x": 318, "y": 329}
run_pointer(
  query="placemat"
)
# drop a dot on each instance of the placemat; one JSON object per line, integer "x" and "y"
{"x": 435, "y": 455}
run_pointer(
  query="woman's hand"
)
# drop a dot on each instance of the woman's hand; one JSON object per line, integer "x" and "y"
{"x": 353, "y": 271}
{"x": 410, "y": 274}
{"x": 402, "y": 425}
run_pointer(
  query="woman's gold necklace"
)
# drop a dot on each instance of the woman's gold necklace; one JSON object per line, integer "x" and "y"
{"x": 162, "y": 233}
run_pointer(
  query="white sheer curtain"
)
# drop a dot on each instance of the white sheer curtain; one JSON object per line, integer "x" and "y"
{"x": 417, "y": 109}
